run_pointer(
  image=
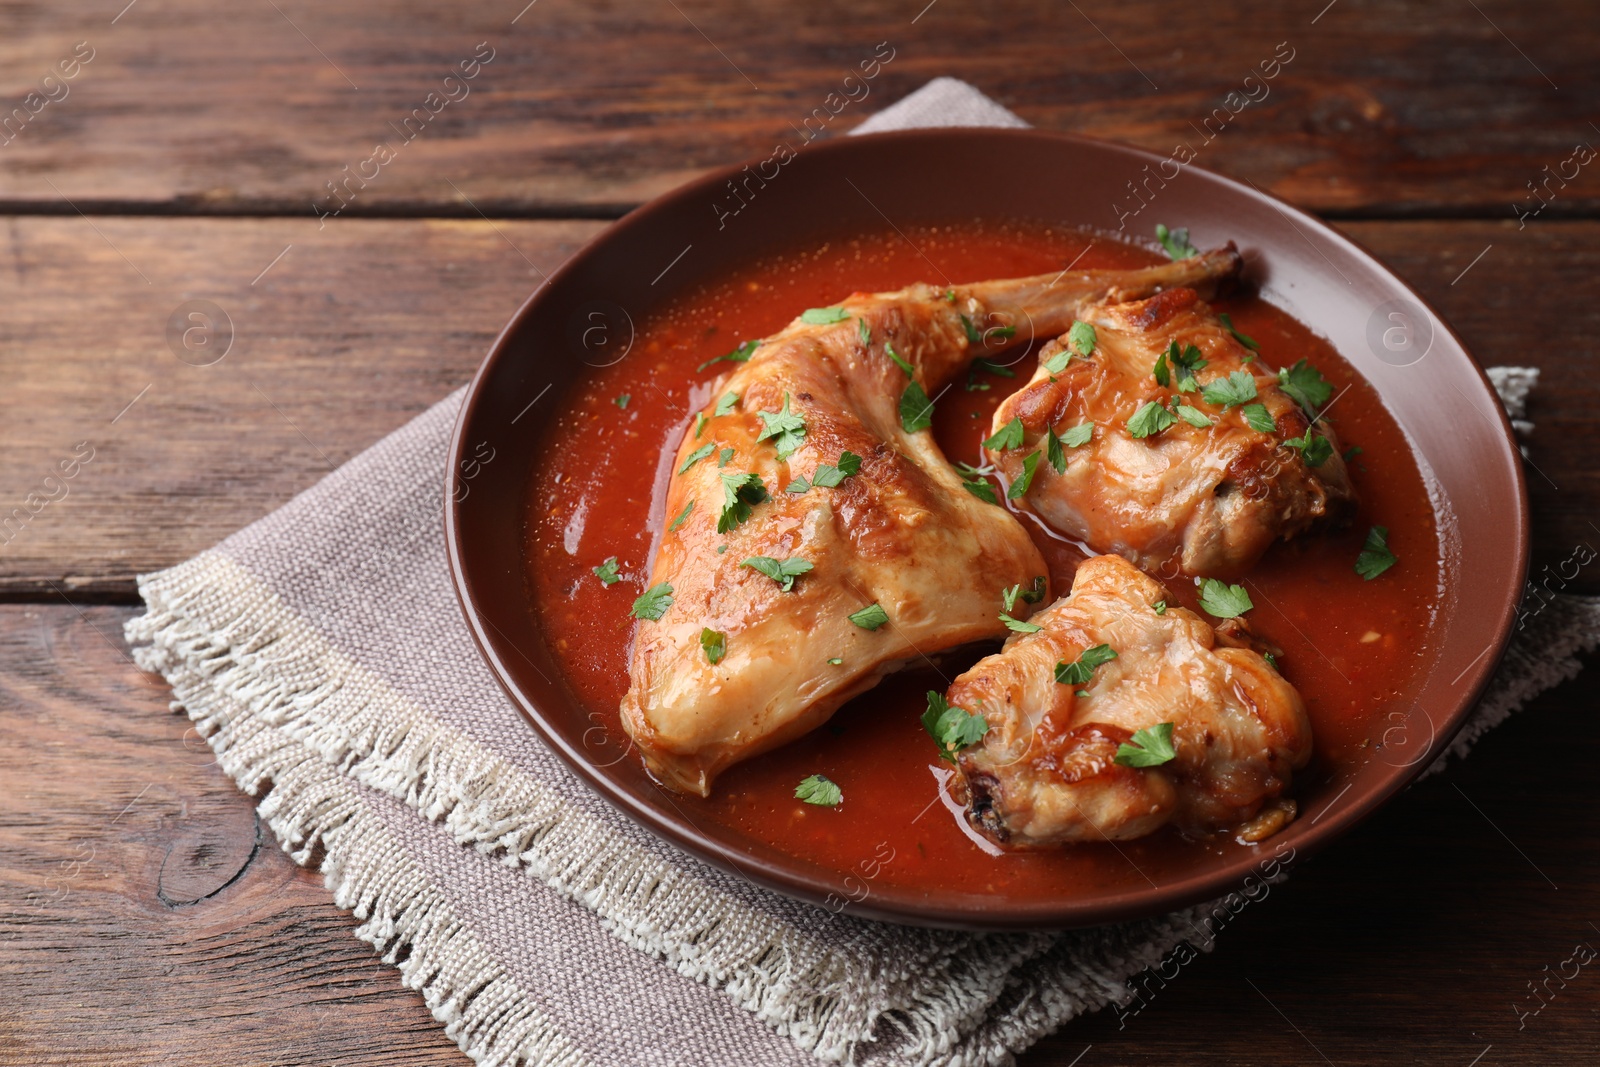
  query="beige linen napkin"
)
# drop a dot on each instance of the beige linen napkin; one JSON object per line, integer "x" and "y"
{"x": 322, "y": 654}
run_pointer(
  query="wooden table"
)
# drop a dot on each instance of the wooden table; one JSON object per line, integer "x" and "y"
{"x": 145, "y": 919}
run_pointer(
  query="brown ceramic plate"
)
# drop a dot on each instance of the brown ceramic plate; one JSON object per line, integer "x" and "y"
{"x": 585, "y": 314}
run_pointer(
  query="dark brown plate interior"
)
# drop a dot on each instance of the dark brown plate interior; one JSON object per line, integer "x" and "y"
{"x": 1424, "y": 375}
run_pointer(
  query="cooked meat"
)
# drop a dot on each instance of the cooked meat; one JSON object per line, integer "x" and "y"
{"x": 901, "y": 532}
{"x": 1046, "y": 772}
{"x": 1150, "y": 484}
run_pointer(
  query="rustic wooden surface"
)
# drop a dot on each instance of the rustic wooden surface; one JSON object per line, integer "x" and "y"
{"x": 144, "y": 919}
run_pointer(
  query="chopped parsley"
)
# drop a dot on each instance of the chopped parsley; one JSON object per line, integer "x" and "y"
{"x": 835, "y": 661}
{"x": 1159, "y": 607}
{"x": 1019, "y": 488}
{"x": 1375, "y": 556}
{"x": 653, "y": 602}
{"x": 1054, "y": 452}
{"x": 1272, "y": 660}
{"x": 1080, "y": 670}
{"x": 1236, "y": 389}
{"x": 1058, "y": 362}
{"x": 726, "y": 404}
{"x": 799, "y": 485}
{"x": 1314, "y": 448}
{"x": 1259, "y": 418}
{"x": 1306, "y": 385}
{"x": 973, "y": 336}
{"x": 740, "y": 492}
{"x": 1006, "y": 437}
{"x": 784, "y": 427}
{"x": 782, "y": 571}
{"x": 916, "y": 410}
{"x": 697, "y": 455}
{"x": 864, "y": 331}
{"x": 1351, "y": 453}
{"x": 1150, "y": 419}
{"x": 723, "y": 457}
{"x": 700, "y": 421}
{"x": 950, "y": 296}
{"x": 1186, "y": 360}
{"x": 994, "y": 368}
{"x": 1194, "y": 416}
{"x": 870, "y": 617}
{"x": 829, "y": 477}
{"x": 888, "y": 350}
{"x": 1018, "y": 626}
{"x": 607, "y": 572}
{"x": 1227, "y": 320}
{"x": 714, "y": 645}
{"x": 1082, "y": 337}
{"x": 981, "y": 489}
{"x": 1150, "y": 747}
{"x": 682, "y": 517}
{"x": 823, "y": 316}
{"x": 622, "y": 401}
{"x": 741, "y": 354}
{"x": 951, "y": 728}
{"x": 819, "y": 791}
{"x": 1223, "y": 600}
{"x": 1079, "y": 435}
{"x": 1176, "y": 242}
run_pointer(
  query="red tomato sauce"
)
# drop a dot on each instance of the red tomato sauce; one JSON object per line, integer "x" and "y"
{"x": 1352, "y": 647}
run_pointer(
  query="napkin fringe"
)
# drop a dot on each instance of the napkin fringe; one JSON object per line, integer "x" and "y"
{"x": 235, "y": 654}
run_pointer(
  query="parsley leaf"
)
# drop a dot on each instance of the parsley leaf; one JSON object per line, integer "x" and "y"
{"x": 1161, "y": 373}
{"x": 782, "y": 571}
{"x": 1058, "y": 362}
{"x": 1259, "y": 418}
{"x": 1159, "y": 607}
{"x": 888, "y": 350}
{"x": 870, "y": 617}
{"x": 1150, "y": 747}
{"x": 1223, "y": 600}
{"x": 1314, "y": 448}
{"x": 1237, "y": 388}
{"x": 823, "y": 316}
{"x": 1079, "y": 435}
{"x": 819, "y": 791}
{"x": 1194, "y": 417}
{"x": 714, "y": 645}
{"x": 622, "y": 401}
{"x": 1176, "y": 242}
{"x": 1035, "y": 591}
{"x": 1082, "y": 337}
{"x": 653, "y": 602}
{"x": 683, "y": 517}
{"x": 952, "y": 728}
{"x": 1018, "y": 626}
{"x": 700, "y": 421}
{"x": 1080, "y": 670}
{"x": 826, "y": 477}
{"x": 1006, "y": 437}
{"x": 863, "y": 331}
{"x": 697, "y": 455}
{"x": 1019, "y": 488}
{"x": 607, "y": 572}
{"x": 739, "y": 493}
{"x": 741, "y": 354}
{"x": 981, "y": 489}
{"x": 726, "y": 404}
{"x": 973, "y": 336}
{"x": 1227, "y": 320}
{"x": 784, "y": 427}
{"x": 1150, "y": 419}
{"x": 916, "y": 410}
{"x": 994, "y": 368}
{"x": 1271, "y": 660}
{"x": 723, "y": 457}
{"x": 799, "y": 485}
{"x": 1375, "y": 556}
{"x": 1054, "y": 452}
{"x": 1306, "y": 385}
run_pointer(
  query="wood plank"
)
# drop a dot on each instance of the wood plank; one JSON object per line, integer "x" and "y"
{"x": 361, "y": 325}
{"x": 591, "y": 108}
{"x": 139, "y": 924}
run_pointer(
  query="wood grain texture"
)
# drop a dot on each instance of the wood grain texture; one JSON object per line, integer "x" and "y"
{"x": 585, "y": 107}
{"x": 140, "y": 923}
{"x": 361, "y": 325}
